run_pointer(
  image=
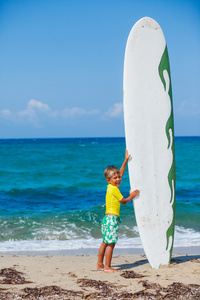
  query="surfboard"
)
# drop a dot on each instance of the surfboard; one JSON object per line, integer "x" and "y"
{"x": 149, "y": 133}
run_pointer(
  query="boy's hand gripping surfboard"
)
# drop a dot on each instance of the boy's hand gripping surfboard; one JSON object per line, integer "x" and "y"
{"x": 149, "y": 131}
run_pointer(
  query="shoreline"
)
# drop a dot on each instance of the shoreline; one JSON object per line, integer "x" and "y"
{"x": 76, "y": 277}
{"x": 194, "y": 250}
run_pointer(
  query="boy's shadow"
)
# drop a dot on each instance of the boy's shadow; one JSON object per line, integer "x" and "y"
{"x": 175, "y": 260}
{"x": 132, "y": 265}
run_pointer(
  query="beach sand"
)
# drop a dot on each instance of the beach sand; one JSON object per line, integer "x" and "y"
{"x": 76, "y": 277}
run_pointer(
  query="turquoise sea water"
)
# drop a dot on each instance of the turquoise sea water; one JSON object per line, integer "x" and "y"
{"x": 52, "y": 193}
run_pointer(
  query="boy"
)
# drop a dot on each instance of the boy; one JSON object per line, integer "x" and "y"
{"x": 110, "y": 222}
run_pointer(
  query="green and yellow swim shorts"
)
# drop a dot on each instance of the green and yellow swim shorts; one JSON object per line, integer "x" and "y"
{"x": 109, "y": 229}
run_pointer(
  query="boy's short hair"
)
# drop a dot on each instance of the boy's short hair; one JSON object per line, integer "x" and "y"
{"x": 110, "y": 170}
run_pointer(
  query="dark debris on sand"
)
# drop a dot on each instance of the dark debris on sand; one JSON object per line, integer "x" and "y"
{"x": 102, "y": 289}
{"x": 173, "y": 291}
{"x": 47, "y": 291}
{"x": 196, "y": 260}
{"x": 97, "y": 284}
{"x": 131, "y": 274}
{"x": 151, "y": 290}
{"x": 179, "y": 290}
{"x": 12, "y": 276}
{"x": 44, "y": 293}
{"x": 107, "y": 290}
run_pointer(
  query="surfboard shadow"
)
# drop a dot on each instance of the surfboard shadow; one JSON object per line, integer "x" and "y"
{"x": 184, "y": 258}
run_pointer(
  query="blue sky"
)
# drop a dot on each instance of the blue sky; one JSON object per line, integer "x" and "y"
{"x": 61, "y": 65}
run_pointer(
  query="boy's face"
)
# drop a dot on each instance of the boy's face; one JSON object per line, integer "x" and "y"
{"x": 115, "y": 179}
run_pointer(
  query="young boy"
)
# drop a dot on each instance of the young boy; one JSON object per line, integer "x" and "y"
{"x": 110, "y": 222}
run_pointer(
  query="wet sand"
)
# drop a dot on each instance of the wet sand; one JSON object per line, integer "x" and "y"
{"x": 76, "y": 277}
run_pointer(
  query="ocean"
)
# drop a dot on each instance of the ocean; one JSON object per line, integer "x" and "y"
{"x": 52, "y": 194}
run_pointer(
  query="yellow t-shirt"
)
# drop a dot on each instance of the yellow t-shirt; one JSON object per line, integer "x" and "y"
{"x": 113, "y": 198}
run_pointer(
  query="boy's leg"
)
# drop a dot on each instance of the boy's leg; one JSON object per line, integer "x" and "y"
{"x": 102, "y": 250}
{"x": 109, "y": 253}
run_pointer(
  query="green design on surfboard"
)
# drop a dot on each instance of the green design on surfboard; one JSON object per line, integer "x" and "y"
{"x": 164, "y": 65}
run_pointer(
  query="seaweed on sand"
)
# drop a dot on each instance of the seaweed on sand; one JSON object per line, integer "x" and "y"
{"x": 12, "y": 276}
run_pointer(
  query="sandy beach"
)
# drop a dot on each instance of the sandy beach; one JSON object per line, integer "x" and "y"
{"x": 75, "y": 277}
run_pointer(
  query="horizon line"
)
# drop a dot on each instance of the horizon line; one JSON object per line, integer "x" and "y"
{"x": 103, "y": 137}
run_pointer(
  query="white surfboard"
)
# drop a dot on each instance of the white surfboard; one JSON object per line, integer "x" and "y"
{"x": 148, "y": 116}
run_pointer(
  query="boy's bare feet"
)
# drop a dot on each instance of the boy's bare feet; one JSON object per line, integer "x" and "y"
{"x": 99, "y": 266}
{"x": 109, "y": 270}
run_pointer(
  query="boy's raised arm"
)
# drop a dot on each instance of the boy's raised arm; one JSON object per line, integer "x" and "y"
{"x": 123, "y": 167}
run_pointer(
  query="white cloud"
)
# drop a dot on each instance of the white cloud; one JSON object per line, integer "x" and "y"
{"x": 76, "y": 111}
{"x": 38, "y": 114}
{"x": 38, "y": 105}
{"x": 34, "y": 106}
{"x": 6, "y": 113}
{"x": 36, "y": 111}
{"x": 115, "y": 111}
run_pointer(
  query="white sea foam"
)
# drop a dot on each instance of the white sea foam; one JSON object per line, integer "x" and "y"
{"x": 183, "y": 238}
{"x": 50, "y": 245}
